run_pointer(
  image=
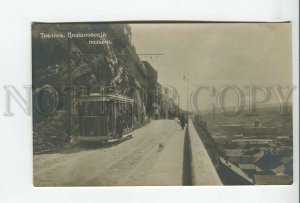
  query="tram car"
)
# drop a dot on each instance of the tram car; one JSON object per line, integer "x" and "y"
{"x": 104, "y": 117}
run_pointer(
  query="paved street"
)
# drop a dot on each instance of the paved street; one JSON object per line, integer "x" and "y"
{"x": 137, "y": 161}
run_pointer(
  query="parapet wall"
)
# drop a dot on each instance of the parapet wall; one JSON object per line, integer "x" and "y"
{"x": 202, "y": 169}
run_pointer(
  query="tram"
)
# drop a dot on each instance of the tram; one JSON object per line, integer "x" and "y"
{"x": 104, "y": 117}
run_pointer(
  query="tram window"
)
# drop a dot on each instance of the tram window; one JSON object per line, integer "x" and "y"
{"x": 98, "y": 108}
{"x": 121, "y": 107}
{"x": 81, "y": 108}
{"x": 84, "y": 108}
{"x": 90, "y": 108}
{"x": 118, "y": 107}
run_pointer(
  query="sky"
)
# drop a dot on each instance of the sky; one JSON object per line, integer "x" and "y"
{"x": 216, "y": 54}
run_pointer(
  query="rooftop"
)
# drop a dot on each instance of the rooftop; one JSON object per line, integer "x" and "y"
{"x": 234, "y": 152}
{"x": 273, "y": 180}
{"x": 247, "y": 166}
{"x": 236, "y": 169}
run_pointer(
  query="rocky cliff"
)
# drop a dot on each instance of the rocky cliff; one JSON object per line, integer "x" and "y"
{"x": 63, "y": 56}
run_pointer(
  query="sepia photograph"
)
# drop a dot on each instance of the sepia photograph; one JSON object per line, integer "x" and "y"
{"x": 162, "y": 104}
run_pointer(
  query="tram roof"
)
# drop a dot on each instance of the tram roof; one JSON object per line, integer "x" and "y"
{"x": 104, "y": 97}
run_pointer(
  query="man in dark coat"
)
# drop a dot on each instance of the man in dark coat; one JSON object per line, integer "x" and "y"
{"x": 182, "y": 120}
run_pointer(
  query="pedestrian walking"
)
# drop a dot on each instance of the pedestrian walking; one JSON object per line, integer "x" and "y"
{"x": 182, "y": 120}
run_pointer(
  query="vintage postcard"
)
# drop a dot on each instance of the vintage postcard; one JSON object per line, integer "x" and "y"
{"x": 162, "y": 104}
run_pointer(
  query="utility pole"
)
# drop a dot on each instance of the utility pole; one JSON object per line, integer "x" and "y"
{"x": 187, "y": 92}
{"x": 186, "y": 78}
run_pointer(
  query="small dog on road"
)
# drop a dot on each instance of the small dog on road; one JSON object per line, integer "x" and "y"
{"x": 161, "y": 146}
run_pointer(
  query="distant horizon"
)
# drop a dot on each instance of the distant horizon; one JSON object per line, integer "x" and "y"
{"x": 244, "y": 111}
